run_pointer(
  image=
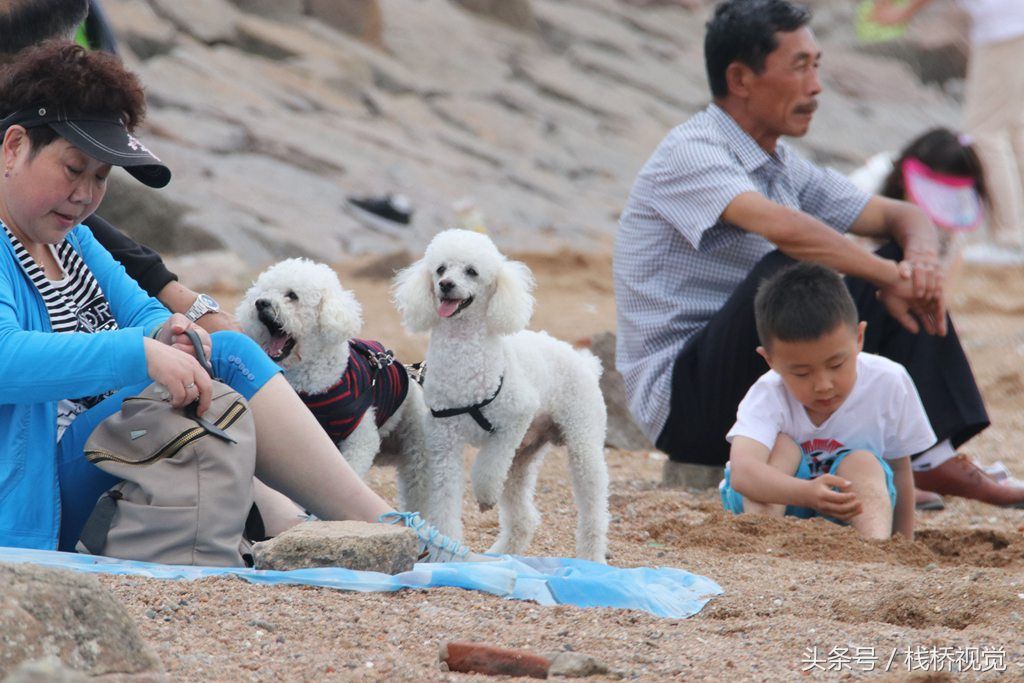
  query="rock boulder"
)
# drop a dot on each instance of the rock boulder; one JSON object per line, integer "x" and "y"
{"x": 351, "y": 545}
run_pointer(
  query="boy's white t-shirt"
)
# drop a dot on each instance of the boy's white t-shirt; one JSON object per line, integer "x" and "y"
{"x": 882, "y": 414}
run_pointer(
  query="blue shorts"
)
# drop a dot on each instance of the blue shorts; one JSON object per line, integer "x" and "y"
{"x": 732, "y": 500}
{"x": 237, "y": 360}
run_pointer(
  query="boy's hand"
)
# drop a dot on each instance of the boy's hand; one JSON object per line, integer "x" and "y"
{"x": 841, "y": 504}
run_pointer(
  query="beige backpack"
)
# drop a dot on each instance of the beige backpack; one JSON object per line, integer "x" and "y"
{"x": 187, "y": 488}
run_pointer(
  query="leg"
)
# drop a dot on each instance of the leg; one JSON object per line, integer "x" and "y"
{"x": 493, "y": 461}
{"x": 279, "y": 513}
{"x": 444, "y": 453}
{"x": 293, "y": 454}
{"x": 786, "y": 457}
{"x": 871, "y": 483}
{"x": 362, "y": 445}
{"x": 583, "y": 426}
{"x": 994, "y": 89}
{"x": 81, "y": 482}
{"x": 517, "y": 515}
{"x": 713, "y": 373}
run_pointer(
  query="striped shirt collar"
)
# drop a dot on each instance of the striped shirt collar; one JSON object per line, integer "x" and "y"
{"x": 750, "y": 154}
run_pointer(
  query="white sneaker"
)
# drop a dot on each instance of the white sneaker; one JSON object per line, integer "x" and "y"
{"x": 434, "y": 546}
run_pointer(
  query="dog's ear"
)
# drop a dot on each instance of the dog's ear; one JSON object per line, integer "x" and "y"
{"x": 413, "y": 295}
{"x": 341, "y": 313}
{"x": 511, "y": 305}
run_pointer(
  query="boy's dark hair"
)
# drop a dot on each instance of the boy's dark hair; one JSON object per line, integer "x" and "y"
{"x": 941, "y": 150}
{"x": 66, "y": 76}
{"x": 744, "y": 31}
{"x": 801, "y": 303}
{"x": 24, "y": 23}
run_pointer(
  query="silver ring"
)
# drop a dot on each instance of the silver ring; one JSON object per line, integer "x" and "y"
{"x": 190, "y": 386}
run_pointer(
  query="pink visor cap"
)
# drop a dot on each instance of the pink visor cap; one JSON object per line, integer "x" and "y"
{"x": 952, "y": 202}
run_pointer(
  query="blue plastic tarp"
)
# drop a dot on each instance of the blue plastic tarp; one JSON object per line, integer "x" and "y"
{"x": 664, "y": 592}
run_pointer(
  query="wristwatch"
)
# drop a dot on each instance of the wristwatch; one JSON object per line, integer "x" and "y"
{"x": 203, "y": 304}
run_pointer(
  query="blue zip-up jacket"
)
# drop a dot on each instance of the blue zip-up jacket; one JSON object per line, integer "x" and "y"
{"x": 38, "y": 368}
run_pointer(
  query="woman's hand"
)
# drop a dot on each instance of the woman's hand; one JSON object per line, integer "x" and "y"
{"x": 173, "y": 334}
{"x": 180, "y": 373}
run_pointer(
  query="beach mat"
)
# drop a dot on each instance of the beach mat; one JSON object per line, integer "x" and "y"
{"x": 663, "y": 592}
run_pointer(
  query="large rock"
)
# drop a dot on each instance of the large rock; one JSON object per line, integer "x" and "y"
{"x": 623, "y": 432}
{"x": 516, "y": 13}
{"x": 138, "y": 26}
{"x": 209, "y": 21}
{"x": 351, "y": 545}
{"x": 45, "y": 670}
{"x": 152, "y": 217}
{"x": 272, "y": 8}
{"x": 360, "y": 18}
{"x": 50, "y": 612}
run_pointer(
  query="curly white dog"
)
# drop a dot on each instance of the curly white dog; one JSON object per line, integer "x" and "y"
{"x": 488, "y": 383}
{"x": 306, "y": 321}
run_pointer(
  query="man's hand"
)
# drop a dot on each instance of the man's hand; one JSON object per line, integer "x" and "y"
{"x": 842, "y": 504}
{"x": 912, "y": 312}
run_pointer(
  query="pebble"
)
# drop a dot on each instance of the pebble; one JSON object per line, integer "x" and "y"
{"x": 151, "y": 613}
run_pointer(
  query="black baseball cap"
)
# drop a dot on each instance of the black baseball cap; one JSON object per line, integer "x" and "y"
{"x": 102, "y": 136}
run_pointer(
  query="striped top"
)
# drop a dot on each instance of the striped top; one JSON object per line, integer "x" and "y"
{"x": 74, "y": 304}
{"x": 676, "y": 262}
{"x": 363, "y": 385}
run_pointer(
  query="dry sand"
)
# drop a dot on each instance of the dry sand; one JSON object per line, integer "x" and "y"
{"x": 956, "y": 592}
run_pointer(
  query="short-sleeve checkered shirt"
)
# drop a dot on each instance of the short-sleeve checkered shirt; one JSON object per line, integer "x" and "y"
{"x": 676, "y": 262}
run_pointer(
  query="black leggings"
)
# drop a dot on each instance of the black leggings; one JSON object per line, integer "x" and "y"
{"x": 717, "y": 366}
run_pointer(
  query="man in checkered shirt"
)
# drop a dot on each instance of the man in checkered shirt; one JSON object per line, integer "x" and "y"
{"x": 723, "y": 203}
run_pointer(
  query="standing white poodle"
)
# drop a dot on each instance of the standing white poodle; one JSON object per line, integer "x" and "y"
{"x": 488, "y": 383}
{"x": 306, "y": 321}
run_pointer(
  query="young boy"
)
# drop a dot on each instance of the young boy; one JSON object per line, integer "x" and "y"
{"x": 828, "y": 430}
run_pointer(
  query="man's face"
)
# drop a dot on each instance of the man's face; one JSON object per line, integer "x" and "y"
{"x": 783, "y": 97}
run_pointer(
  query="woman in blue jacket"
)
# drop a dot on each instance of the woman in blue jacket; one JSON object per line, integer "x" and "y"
{"x": 77, "y": 335}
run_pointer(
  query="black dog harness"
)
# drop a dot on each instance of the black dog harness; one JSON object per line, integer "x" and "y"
{"x": 473, "y": 410}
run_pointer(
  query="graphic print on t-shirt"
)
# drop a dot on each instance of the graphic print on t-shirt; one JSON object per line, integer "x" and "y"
{"x": 821, "y": 453}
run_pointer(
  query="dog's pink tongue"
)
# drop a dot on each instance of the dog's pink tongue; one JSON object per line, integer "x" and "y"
{"x": 276, "y": 345}
{"x": 447, "y": 307}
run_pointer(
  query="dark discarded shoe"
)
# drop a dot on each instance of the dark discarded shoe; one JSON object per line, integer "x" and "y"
{"x": 391, "y": 214}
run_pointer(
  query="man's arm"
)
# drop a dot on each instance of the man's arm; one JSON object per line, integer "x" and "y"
{"x": 140, "y": 262}
{"x": 147, "y": 268}
{"x": 805, "y": 238}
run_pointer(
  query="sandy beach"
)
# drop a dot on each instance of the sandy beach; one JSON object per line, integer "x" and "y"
{"x": 802, "y": 599}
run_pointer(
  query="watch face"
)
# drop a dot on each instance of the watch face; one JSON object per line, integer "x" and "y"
{"x": 209, "y": 302}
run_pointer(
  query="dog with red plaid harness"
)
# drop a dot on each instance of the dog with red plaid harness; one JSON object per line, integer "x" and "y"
{"x": 298, "y": 311}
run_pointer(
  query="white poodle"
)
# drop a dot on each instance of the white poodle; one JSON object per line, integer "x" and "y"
{"x": 489, "y": 383}
{"x": 306, "y": 321}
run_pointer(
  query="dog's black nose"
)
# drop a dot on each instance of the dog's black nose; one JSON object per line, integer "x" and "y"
{"x": 261, "y": 304}
{"x": 446, "y": 286}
